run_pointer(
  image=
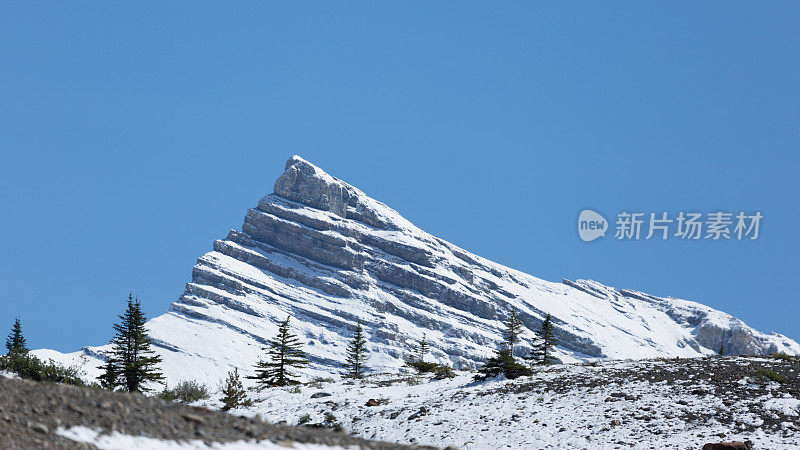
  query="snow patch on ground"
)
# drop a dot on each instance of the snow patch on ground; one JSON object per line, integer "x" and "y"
{"x": 116, "y": 441}
{"x": 788, "y": 406}
{"x": 609, "y": 412}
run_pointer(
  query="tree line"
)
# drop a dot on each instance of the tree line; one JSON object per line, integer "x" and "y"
{"x": 133, "y": 366}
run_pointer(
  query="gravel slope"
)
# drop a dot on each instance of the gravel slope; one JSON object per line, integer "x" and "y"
{"x": 31, "y": 413}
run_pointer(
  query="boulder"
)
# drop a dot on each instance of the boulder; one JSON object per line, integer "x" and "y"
{"x": 734, "y": 445}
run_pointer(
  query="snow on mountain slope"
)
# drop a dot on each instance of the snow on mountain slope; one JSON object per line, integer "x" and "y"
{"x": 328, "y": 255}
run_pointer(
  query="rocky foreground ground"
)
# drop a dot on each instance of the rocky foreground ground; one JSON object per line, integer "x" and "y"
{"x": 37, "y": 416}
{"x": 644, "y": 404}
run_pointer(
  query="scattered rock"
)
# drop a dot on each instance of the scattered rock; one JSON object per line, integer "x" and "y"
{"x": 734, "y": 445}
{"x": 320, "y": 394}
{"x": 58, "y": 406}
{"x": 38, "y": 427}
{"x": 422, "y": 412}
{"x": 194, "y": 418}
{"x": 372, "y": 402}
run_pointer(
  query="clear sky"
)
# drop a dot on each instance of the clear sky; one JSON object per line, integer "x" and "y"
{"x": 134, "y": 134}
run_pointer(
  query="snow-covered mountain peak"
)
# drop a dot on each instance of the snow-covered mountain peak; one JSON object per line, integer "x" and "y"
{"x": 330, "y": 256}
{"x": 305, "y": 183}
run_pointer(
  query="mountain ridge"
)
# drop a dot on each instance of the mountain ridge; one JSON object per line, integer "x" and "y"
{"x": 330, "y": 256}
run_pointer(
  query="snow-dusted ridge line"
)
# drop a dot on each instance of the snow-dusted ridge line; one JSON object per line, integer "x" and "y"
{"x": 325, "y": 253}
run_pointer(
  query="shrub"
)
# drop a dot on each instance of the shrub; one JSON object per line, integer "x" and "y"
{"x": 783, "y": 356}
{"x": 304, "y": 419}
{"x": 412, "y": 381}
{"x": 186, "y": 392}
{"x": 439, "y": 371}
{"x": 422, "y": 366}
{"x": 322, "y": 380}
{"x": 330, "y": 418}
{"x": 32, "y": 368}
{"x": 764, "y": 375}
{"x": 442, "y": 372}
{"x": 317, "y": 382}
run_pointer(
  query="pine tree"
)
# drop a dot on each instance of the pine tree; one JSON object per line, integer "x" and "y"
{"x": 721, "y": 350}
{"x": 132, "y": 363}
{"x": 417, "y": 362}
{"x": 547, "y": 340}
{"x": 109, "y": 379}
{"x": 356, "y": 354}
{"x": 233, "y": 392}
{"x": 422, "y": 348}
{"x": 512, "y": 331}
{"x": 15, "y": 342}
{"x": 284, "y": 353}
{"x": 502, "y": 363}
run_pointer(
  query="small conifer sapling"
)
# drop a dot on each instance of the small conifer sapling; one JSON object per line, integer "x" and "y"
{"x": 356, "y": 354}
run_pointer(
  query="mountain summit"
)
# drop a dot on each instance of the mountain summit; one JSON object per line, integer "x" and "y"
{"x": 329, "y": 256}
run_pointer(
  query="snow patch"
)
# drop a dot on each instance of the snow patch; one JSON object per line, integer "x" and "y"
{"x": 787, "y": 406}
{"x": 116, "y": 441}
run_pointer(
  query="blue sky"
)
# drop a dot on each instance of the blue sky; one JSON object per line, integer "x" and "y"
{"x": 132, "y": 136}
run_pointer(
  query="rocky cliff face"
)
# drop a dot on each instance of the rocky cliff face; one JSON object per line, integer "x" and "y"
{"x": 328, "y": 255}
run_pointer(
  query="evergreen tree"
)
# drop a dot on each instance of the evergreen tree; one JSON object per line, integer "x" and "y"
{"x": 233, "y": 393}
{"x": 512, "y": 331}
{"x": 284, "y": 354}
{"x": 417, "y": 362}
{"x": 547, "y": 340}
{"x": 502, "y": 363}
{"x": 25, "y": 365}
{"x": 422, "y": 348}
{"x": 721, "y": 350}
{"x": 131, "y": 363}
{"x": 15, "y": 342}
{"x": 356, "y": 354}
{"x": 109, "y": 379}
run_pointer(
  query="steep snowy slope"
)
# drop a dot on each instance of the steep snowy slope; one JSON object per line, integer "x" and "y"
{"x": 328, "y": 255}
